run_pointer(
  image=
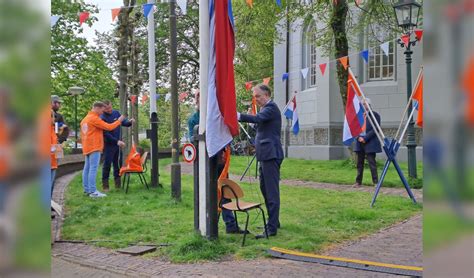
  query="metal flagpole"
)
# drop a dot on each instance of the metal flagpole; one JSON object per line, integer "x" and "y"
{"x": 204, "y": 46}
{"x": 406, "y": 126}
{"x": 409, "y": 102}
{"x": 153, "y": 112}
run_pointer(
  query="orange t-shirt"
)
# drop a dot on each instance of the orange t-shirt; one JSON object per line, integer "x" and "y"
{"x": 92, "y": 136}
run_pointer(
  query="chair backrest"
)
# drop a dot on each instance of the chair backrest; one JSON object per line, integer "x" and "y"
{"x": 143, "y": 160}
{"x": 230, "y": 189}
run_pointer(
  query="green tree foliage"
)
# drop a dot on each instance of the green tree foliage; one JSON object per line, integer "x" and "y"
{"x": 340, "y": 25}
{"x": 75, "y": 63}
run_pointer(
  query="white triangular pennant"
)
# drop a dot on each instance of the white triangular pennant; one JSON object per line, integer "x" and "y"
{"x": 384, "y": 47}
{"x": 182, "y": 5}
{"x": 167, "y": 97}
{"x": 304, "y": 72}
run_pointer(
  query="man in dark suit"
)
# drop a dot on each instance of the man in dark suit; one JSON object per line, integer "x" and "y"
{"x": 367, "y": 145}
{"x": 269, "y": 152}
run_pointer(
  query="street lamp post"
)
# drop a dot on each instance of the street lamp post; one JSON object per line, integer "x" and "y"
{"x": 75, "y": 91}
{"x": 407, "y": 12}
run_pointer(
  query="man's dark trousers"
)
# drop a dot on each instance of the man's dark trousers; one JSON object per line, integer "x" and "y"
{"x": 269, "y": 185}
{"x": 360, "y": 166}
{"x": 111, "y": 157}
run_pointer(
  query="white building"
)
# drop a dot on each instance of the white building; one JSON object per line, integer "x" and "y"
{"x": 319, "y": 103}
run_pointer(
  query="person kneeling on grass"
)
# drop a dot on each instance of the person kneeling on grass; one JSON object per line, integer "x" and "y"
{"x": 92, "y": 127}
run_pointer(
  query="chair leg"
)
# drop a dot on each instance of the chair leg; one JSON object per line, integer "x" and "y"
{"x": 128, "y": 183}
{"x": 141, "y": 180}
{"x": 235, "y": 217}
{"x": 246, "y": 226}
{"x": 264, "y": 223}
{"x": 123, "y": 180}
{"x": 144, "y": 180}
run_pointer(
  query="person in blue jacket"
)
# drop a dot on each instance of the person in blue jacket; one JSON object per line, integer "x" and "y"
{"x": 269, "y": 153}
{"x": 112, "y": 145}
{"x": 366, "y": 146}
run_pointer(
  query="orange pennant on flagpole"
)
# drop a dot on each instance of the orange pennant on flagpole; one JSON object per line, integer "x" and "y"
{"x": 266, "y": 81}
{"x": 115, "y": 13}
{"x": 83, "y": 16}
{"x": 343, "y": 61}
{"x": 250, "y": 3}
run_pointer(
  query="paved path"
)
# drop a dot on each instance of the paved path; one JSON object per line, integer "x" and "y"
{"x": 400, "y": 244}
{"x": 187, "y": 168}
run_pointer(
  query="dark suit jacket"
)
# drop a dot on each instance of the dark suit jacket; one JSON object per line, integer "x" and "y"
{"x": 267, "y": 140}
{"x": 372, "y": 144}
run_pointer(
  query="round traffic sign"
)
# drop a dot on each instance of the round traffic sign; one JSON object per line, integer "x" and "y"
{"x": 189, "y": 153}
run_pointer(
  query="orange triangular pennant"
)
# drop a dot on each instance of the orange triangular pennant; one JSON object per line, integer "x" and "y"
{"x": 250, "y": 3}
{"x": 406, "y": 39}
{"x": 248, "y": 85}
{"x": 266, "y": 81}
{"x": 115, "y": 13}
{"x": 343, "y": 61}
{"x": 418, "y": 34}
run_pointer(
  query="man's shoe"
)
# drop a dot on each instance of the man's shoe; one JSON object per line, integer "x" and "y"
{"x": 237, "y": 231}
{"x": 118, "y": 183}
{"x": 263, "y": 235}
{"x": 356, "y": 185}
{"x": 97, "y": 194}
{"x": 105, "y": 185}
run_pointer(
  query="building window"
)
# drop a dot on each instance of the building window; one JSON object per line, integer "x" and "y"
{"x": 310, "y": 54}
{"x": 381, "y": 66}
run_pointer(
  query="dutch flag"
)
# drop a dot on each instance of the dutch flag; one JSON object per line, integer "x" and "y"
{"x": 354, "y": 118}
{"x": 291, "y": 113}
{"x": 221, "y": 124}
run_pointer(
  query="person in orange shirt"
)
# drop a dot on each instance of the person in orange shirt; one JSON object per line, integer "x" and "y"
{"x": 54, "y": 149}
{"x": 92, "y": 137}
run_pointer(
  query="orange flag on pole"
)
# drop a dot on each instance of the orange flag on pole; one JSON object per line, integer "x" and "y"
{"x": 468, "y": 86}
{"x": 418, "y": 96}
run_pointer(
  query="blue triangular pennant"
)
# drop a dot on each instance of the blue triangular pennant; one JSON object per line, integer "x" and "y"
{"x": 146, "y": 9}
{"x": 285, "y": 76}
{"x": 278, "y": 3}
{"x": 365, "y": 55}
{"x": 54, "y": 20}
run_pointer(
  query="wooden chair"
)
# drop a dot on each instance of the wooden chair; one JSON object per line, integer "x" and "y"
{"x": 127, "y": 174}
{"x": 231, "y": 190}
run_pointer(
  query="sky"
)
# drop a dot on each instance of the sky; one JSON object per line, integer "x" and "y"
{"x": 104, "y": 17}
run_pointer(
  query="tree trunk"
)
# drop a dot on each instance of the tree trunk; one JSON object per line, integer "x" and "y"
{"x": 338, "y": 25}
{"x": 123, "y": 57}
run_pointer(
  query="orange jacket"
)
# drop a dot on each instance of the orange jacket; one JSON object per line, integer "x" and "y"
{"x": 92, "y": 127}
{"x": 133, "y": 162}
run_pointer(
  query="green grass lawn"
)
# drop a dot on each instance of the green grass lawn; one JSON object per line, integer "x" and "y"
{"x": 311, "y": 219}
{"x": 329, "y": 171}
